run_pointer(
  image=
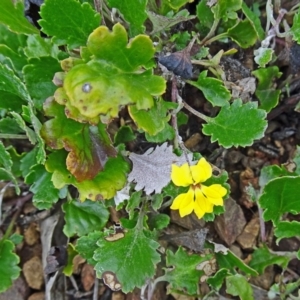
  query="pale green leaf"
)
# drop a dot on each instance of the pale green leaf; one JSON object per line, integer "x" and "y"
{"x": 237, "y": 285}
{"x": 237, "y": 124}
{"x": 226, "y": 9}
{"x": 263, "y": 56}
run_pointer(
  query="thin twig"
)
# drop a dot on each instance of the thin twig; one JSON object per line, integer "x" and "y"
{"x": 96, "y": 288}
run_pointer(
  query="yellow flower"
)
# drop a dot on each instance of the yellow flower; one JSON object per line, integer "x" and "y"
{"x": 199, "y": 198}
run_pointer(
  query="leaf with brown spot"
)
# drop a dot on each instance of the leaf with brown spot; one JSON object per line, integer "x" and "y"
{"x": 89, "y": 147}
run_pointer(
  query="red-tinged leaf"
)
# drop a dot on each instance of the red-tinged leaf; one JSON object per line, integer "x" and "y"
{"x": 89, "y": 146}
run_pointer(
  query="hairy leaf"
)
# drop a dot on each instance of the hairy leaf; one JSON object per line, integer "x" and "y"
{"x": 184, "y": 275}
{"x": 152, "y": 170}
{"x": 132, "y": 259}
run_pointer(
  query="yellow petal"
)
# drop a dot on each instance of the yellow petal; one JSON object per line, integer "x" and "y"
{"x": 202, "y": 171}
{"x": 181, "y": 176}
{"x": 214, "y": 193}
{"x": 185, "y": 203}
{"x": 202, "y": 205}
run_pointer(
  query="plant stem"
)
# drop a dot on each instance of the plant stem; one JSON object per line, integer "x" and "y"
{"x": 13, "y": 136}
{"x": 196, "y": 113}
{"x": 211, "y": 32}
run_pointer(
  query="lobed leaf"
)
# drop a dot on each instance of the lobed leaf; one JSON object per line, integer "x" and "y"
{"x": 184, "y": 275}
{"x": 133, "y": 260}
{"x": 89, "y": 146}
{"x": 103, "y": 186}
{"x": 285, "y": 229}
{"x": 237, "y": 124}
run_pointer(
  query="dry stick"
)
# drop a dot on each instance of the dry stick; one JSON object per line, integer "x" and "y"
{"x": 96, "y": 288}
{"x": 262, "y": 225}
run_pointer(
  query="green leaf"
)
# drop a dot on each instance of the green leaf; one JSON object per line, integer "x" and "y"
{"x": 162, "y": 23}
{"x": 296, "y": 159}
{"x": 89, "y": 146}
{"x": 45, "y": 194}
{"x": 254, "y": 20}
{"x": 37, "y": 46}
{"x": 280, "y": 196}
{"x": 124, "y": 134}
{"x": 237, "y": 285}
{"x": 6, "y": 165}
{"x": 103, "y": 186}
{"x": 216, "y": 281}
{"x": 10, "y": 83}
{"x": 38, "y": 75}
{"x": 167, "y": 134}
{"x": 87, "y": 245}
{"x": 213, "y": 89}
{"x": 263, "y": 56}
{"x": 204, "y": 14}
{"x": 134, "y": 13}
{"x": 262, "y": 257}
{"x": 84, "y": 217}
{"x": 184, "y": 275}
{"x": 71, "y": 253}
{"x": 113, "y": 78}
{"x": 228, "y": 260}
{"x": 9, "y": 125}
{"x": 159, "y": 221}
{"x": 265, "y": 91}
{"x": 243, "y": 34}
{"x": 226, "y": 9}
{"x": 28, "y": 161}
{"x": 9, "y": 261}
{"x": 68, "y": 21}
{"x": 286, "y": 229}
{"x": 132, "y": 259}
{"x": 11, "y": 102}
{"x": 268, "y": 173}
{"x": 153, "y": 120}
{"x": 12, "y": 15}
{"x": 12, "y": 59}
{"x": 295, "y": 29}
{"x": 113, "y": 48}
{"x": 237, "y": 124}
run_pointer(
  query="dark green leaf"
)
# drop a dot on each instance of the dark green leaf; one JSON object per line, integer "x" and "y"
{"x": 84, "y": 217}
{"x": 68, "y": 21}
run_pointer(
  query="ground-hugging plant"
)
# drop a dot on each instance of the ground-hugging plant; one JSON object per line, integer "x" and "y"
{"x": 93, "y": 64}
